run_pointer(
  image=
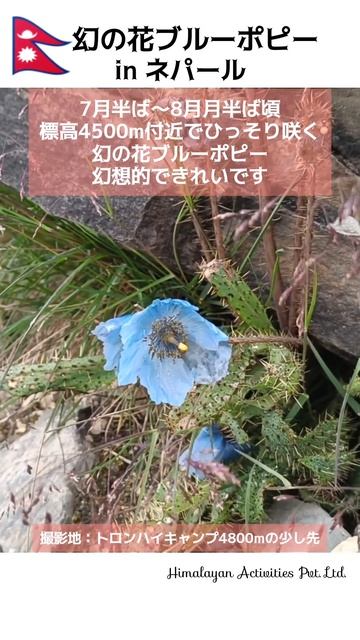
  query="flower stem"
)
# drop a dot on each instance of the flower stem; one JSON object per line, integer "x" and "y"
{"x": 265, "y": 340}
{"x": 219, "y": 238}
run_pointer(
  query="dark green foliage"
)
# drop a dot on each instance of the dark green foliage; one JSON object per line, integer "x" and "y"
{"x": 78, "y": 375}
{"x": 241, "y": 300}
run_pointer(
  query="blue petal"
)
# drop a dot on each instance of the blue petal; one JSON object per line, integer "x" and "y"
{"x": 142, "y": 321}
{"x": 109, "y": 333}
{"x": 134, "y": 357}
{"x": 140, "y": 325}
{"x": 207, "y": 447}
{"x": 208, "y": 366}
{"x": 167, "y": 380}
{"x": 200, "y": 330}
{"x": 211, "y": 446}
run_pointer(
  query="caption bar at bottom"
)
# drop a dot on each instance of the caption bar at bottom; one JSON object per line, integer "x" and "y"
{"x": 179, "y": 538}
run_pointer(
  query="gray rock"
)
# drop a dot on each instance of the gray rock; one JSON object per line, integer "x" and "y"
{"x": 346, "y": 129}
{"x": 35, "y": 486}
{"x": 336, "y": 321}
{"x": 298, "y": 512}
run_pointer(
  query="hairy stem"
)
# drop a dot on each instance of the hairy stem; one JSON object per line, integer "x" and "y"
{"x": 265, "y": 340}
{"x": 219, "y": 238}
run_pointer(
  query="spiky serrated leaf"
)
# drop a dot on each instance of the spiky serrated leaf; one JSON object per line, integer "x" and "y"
{"x": 77, "y": 374}
{"x": 244, "y": 303}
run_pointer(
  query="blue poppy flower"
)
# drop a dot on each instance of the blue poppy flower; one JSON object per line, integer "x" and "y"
{"x": 211, "y": 446}
{"x": 169, "y": 347}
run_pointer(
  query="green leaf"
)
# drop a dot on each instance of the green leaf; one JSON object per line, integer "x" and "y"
{"x": 244, "y": 303}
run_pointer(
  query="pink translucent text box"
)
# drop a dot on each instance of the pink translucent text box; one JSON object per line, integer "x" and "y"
{"x": 99, "y": 142}
{"x": 177, "y": 538}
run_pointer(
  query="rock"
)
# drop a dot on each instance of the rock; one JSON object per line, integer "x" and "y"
{"x": 35, "y": 486}
{"x": 346, "y": 129}
{"x": 14, "y": 137}
{"x": 296, "y": 511}
{"x": 336, "y": 320}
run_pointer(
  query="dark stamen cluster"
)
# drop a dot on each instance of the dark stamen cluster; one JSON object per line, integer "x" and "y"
{"x": 164, "y": 337}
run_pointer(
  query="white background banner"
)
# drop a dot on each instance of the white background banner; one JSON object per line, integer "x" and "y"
{"x": 331, "y": 61}
{"x": 129, "y": 595}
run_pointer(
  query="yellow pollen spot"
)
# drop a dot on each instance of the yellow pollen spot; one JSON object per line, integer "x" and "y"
{"x": 171, "y": 339}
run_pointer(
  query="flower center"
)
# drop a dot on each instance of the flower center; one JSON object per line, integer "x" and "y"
{"x": 167, "y": 338}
